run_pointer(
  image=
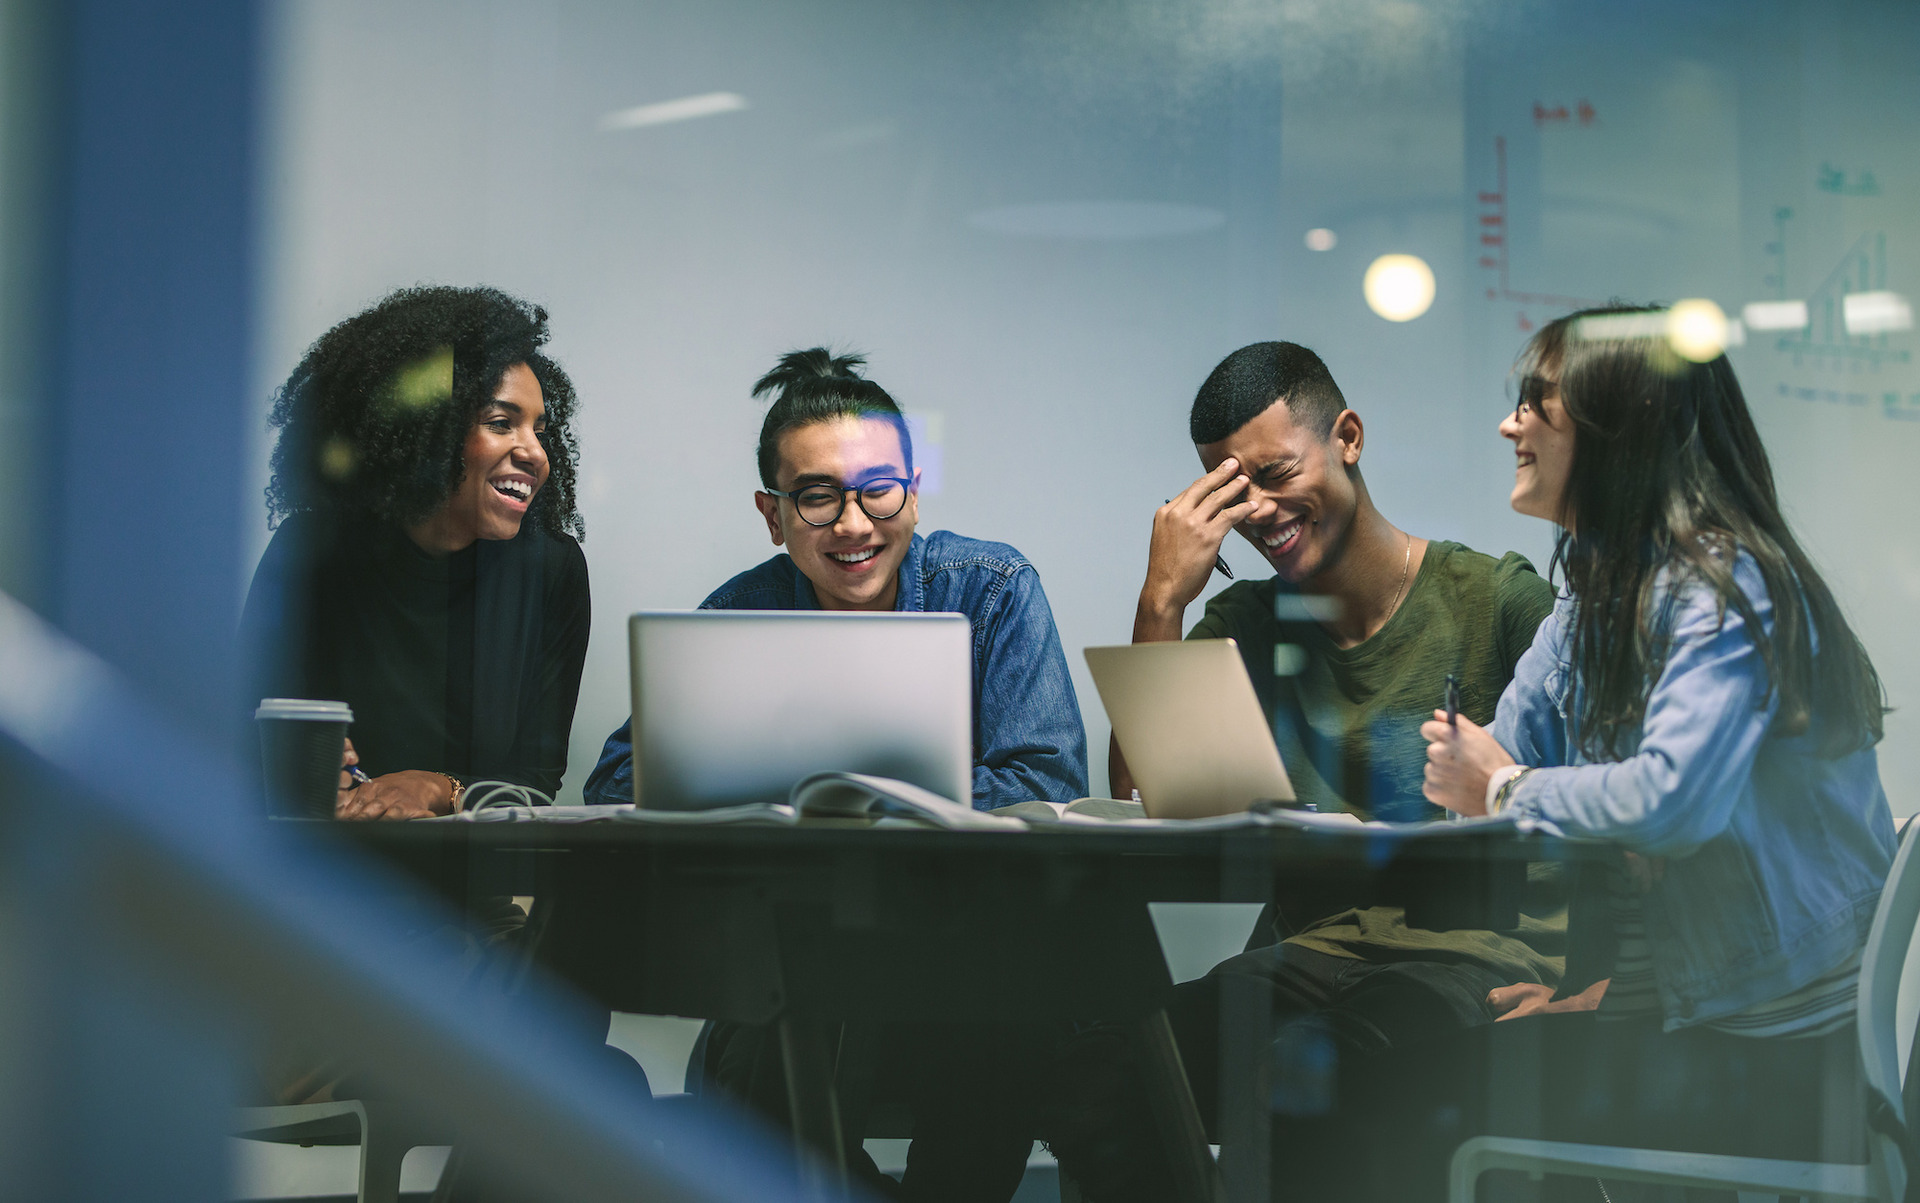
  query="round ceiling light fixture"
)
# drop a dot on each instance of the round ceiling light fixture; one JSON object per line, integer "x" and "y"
{"x": 1697, "y": 329}
{"x": 1398, "y": 287}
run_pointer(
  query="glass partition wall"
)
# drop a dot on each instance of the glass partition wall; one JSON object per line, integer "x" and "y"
{"x": 1046, "y": 223}
{"x": 1043, "y": 224}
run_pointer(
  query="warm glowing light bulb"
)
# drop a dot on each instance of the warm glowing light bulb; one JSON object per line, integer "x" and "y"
{"x": 1398, "y": 287}
{"x": 1697, "y": 330}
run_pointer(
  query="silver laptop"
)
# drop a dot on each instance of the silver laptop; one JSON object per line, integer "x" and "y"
{"x": 732, "y": 707}
{"x": 1190, "y": 727}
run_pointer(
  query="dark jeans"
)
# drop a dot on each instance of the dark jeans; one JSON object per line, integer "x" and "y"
{"x": 1311, "y": 1016}
{"x": 486, "y": 945}
{"x": 1574, "y": 1078}
{"x": 1323, "y": 1011}
{"x": 970, "y": 1088}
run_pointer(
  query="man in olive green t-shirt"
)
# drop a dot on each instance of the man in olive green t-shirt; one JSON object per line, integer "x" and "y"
{"x": 1349, "y": 645}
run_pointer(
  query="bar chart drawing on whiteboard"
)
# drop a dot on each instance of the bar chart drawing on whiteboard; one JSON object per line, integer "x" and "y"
{"x": 1835, "y": 334}
{"x": 1494, "y": 239}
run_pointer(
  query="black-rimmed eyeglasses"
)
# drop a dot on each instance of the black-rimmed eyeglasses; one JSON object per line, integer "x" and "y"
{"x": 881, "y": 498}
{"x": 1533, "y": 390}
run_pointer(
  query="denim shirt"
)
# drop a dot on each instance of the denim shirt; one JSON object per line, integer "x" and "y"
{"x": 1774, "y": 856}
{"x": 1028, "y": 738}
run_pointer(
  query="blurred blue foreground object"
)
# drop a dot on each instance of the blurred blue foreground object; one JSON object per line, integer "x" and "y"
{"x": 134, "y": 853}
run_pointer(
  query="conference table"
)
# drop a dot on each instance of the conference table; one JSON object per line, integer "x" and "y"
{"x": 834, "y": 923}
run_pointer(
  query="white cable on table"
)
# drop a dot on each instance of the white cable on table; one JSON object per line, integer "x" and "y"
{"x": 482, "y": 794}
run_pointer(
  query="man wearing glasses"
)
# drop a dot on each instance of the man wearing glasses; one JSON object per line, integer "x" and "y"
{"x": 842, "y": 496}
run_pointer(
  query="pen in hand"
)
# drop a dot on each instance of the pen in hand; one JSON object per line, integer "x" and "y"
{"x": 1453, "y": 720}
{"x": 1219, "y": 561}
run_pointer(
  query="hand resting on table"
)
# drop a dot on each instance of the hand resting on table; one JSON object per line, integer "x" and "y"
{"x": 408, "y": 794}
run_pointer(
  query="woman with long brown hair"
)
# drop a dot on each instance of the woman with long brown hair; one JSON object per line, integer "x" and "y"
{"x": 1697, "y": 700}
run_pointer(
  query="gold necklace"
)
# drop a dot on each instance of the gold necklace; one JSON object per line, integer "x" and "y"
{"x": 1404, "y": 565}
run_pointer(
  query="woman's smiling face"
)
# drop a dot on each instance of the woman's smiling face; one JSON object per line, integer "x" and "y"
{"x": 1542, "y": 436}
{"x": 506, "y": 464}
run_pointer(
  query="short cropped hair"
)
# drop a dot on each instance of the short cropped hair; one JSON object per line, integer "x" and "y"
{"x": 1248, "y": 381}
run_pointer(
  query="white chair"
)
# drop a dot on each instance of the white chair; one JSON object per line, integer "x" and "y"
{"x": 1882, "y": 1178}
{"x": 383, "y": 1134}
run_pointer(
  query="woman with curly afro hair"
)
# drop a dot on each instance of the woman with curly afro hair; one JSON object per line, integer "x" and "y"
{"x": 425, "y": 567}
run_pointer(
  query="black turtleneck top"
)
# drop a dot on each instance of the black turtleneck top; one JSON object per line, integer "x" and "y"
{"x": 467, "y": 664}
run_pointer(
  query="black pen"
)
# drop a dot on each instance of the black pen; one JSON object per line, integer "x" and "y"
{"x": 1453, "y": 716}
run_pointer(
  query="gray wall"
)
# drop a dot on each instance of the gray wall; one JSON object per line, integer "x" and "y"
{"x": 877, "y": 193}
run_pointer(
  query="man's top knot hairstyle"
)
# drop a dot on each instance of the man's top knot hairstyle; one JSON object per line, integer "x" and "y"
{"x": 816, "y": 385}
{"x": 373, "y": 422}
{"x": 1251, "y": 379}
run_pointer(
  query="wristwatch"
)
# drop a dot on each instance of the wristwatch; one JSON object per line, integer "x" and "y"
{"x": 1505, "y": 791}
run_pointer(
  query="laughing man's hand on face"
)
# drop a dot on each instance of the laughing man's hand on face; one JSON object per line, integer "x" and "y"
{"x": 1187, "y": 534}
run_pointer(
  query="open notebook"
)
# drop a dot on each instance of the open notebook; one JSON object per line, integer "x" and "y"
{"x": 840, "y": 796}
{"x": 863, "y": 800}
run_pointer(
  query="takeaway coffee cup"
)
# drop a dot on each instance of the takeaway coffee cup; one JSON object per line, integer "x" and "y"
{"x": 301, "y": 742}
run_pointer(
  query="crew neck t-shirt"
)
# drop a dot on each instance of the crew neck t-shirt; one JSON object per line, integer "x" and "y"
{"x": 1347, "y": 722}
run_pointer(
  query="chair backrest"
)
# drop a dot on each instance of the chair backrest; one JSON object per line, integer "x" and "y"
{"x": 1881, "y": 967}
{"x": 1880, "y": 971}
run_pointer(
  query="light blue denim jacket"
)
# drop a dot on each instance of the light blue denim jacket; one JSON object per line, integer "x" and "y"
{"x": 1028, "y": 738}
{"x": 1774, "y": 856}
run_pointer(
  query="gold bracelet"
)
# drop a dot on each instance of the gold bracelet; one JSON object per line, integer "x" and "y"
{"x": 459, "y": 787}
